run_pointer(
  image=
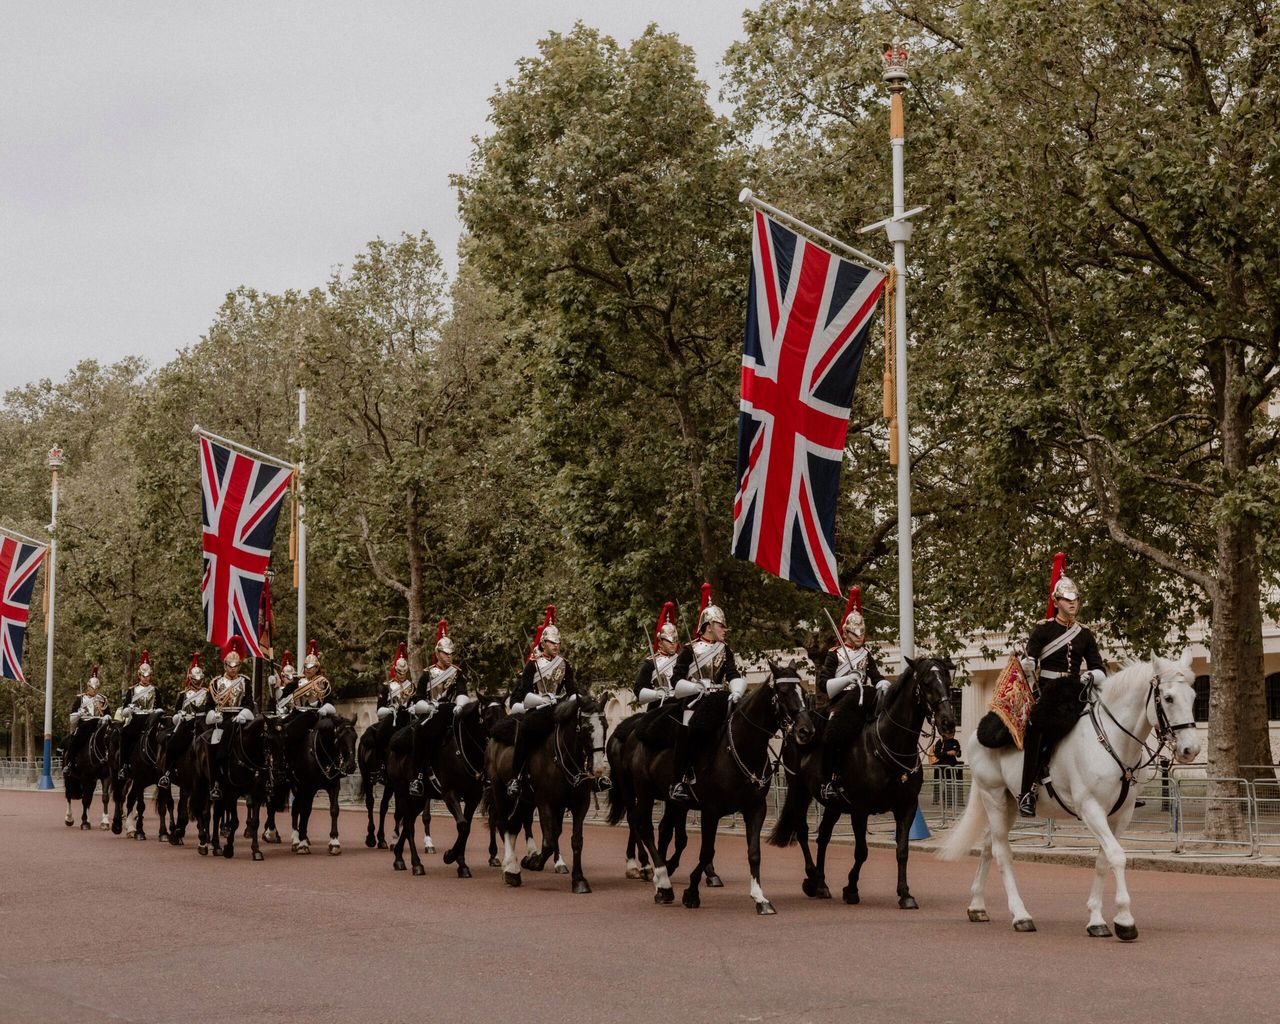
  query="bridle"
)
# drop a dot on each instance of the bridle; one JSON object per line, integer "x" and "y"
{"x": 581, "y": 773}
{"x": 1166, "y": 733}
{"x": 910, "y": 764}
{"x": 333, "y": 769}
{"x": 786, "y": 722}
{"x": 460, "y": 747}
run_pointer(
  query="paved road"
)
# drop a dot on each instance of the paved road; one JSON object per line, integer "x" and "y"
{"x": 95, "y": 927}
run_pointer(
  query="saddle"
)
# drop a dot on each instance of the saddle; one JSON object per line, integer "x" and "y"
{"x": 658, "y": 728}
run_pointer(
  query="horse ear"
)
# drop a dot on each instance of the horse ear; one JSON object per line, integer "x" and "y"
{"x": 1186, "y": 658}
{"x": 910, "y": 661}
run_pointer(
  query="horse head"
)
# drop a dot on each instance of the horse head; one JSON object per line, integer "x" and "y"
{"x": 344, "y": 743}
{"x": 931, "y": 690}
{"x": 787, "y": 696}
{"x": 591, "y": 731}
{"x": 1170, "y": 709}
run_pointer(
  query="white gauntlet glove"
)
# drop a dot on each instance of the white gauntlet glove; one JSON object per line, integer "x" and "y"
{"x": 837, "y": 684}
{"x": 1028, "y": 666}
{"x": 687, "y": 688}
{"x": 647, "y": 695}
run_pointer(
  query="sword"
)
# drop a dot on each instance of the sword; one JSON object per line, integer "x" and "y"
{"x": 542, "y": 681}
{"x": 848, "y": 659}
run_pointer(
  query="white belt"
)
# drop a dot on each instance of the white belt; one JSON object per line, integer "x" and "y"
{"x": 1049, "y": 673}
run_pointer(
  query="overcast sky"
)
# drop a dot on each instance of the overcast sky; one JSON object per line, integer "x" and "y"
{"x": 155, "y": 156}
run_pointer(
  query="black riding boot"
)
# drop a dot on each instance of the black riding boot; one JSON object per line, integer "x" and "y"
{"x": 682, "y": 769}
{"x": 1031, "y": 746}
{"x": 519, "y": 755}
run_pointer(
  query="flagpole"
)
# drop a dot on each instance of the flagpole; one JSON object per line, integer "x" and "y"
{"x": 46, "y": 773}
{"x": 749, "y": 198}
{"x": 302, "y": 534}
{"x": 898, "y": 229}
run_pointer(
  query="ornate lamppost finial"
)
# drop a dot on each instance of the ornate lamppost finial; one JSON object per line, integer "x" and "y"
{"x": 895, "y": 65}
{"x": 55, "y": 456}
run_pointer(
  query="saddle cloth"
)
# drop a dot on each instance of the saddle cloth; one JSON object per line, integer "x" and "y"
{"x": 1013, "y": 701}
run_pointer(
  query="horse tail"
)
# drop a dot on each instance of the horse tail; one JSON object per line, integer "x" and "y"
{"x": 967, "y": 831}
{"x": 620, "y": 796}
{"x": 795, "y": 809}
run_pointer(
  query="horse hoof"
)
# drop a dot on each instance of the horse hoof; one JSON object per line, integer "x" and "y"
{"x": 1099, "y": 931}
{"x": 449, "y": 856}
{"x": 634, "y": 873}
{"x": 580, "y": 886}
{"x": 68, "y": 822}
{"x": 228, "y": 852}
{"x": 204, "y": 849}
{"x": 382, "y": 845}
{"x": 908, "y": 903}
{"x": 815, "y": 890}
{"x": 303, "y": 850}
{"x": 850, "y": 896}
{"x": 398, "y": 865}
{"x": 370, "y": 842}
{"x": 1126, "y": 932}
{"x": 562, "y": 869}
{"x": 647, "y": 873}
{"x": 664, "y": 896}
{"x": 428, "y": 848}
{"x": 764, "y": 908}
{"x": 271, "y": 836}
{"x": 494, "y": 862}
{"x": 104, "y": 826}
{"x": 335, "y": 849}
{"x": 532, "y": 862}
{"x": 85, "y": 827}
{"x": 714, "y": 882}
{"x": 257, "y": 855}
{"x": 418, "y": 869}
{"x": 464, "y": 871}
{"x": 691, "y": 899}
{"x": 116, "y": 828}
{"x": 978, "y": 916}
{"x": 247, "y": 833}
{"x": 512, "y": 878}
{"x": 1025, "y": 925}
{"x": 129, "y": 833}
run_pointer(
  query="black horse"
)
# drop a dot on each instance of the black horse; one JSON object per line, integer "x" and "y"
{"x": 95, "y": 759}
{"x": 318, "y": 758}
{"x": 410, "y": 754}
{"x": 371, "y": 763}
{"x": 733, "y": 775}
{"x": 235, "y": 771}
{"x": 456, "y": 776}
{"x": 563, "y": 772}
{"x": 144, "y": 767}
{"x": 881, "y": 772}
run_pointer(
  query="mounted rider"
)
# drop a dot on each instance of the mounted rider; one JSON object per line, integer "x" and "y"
{"x": 546, "y": 679}
{"x": 305, "y": 700}
{"x": 283, "y": 676}
{"x": 193, "y": 705}
{"x": 232, "y": 704}
{"x": 654, "y": 680}
{"x": 88, "y": 711}
{"x": 140, "y": 704}
{"x": 1062, "y": 664}
{"x": 440, "y": 683}
{"x": 706, "y": 677}
{"x": 394, "y": 698}
{"x": 853, "y": 684}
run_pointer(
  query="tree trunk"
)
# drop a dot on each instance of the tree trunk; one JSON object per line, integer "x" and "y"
{"x": 694, "y": 446}
{"x": 416, "y": 599}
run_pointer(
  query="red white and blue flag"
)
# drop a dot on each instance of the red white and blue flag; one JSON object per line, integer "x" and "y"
{"x": 240, "y": 502}
{"x": 808, "y": 316}
{"x": 19, "y": 565}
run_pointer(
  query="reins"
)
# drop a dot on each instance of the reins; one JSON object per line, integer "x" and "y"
{"x": 785, "y": 725}
{"x": 580, "y": 774}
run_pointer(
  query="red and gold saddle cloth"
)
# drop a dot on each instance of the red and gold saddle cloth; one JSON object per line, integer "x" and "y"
{"x": 1013, "y": 700}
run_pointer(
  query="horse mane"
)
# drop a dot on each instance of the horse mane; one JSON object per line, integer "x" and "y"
{"x": 1133, "y": 674}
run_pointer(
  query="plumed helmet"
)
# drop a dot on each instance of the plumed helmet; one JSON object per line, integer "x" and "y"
{"x": 144, "y": 666}
{"x": 550, "y": 635}
{"x": 93, "y": 677}
{"x": 234, "y": 651}
{"x": 194, "y": 671}
{"x": 312, "y": 660}
{"x": 1059, "y": 585}
{"x": 287, "y": 671}
{"x": 400, "y": 663}
{"x": 547, "y": 631}
{"x": 443, "y": 643}
{"x": 666, "y": 629}
{"x": 708, "y": 612}
{"x": 853, "y": 623}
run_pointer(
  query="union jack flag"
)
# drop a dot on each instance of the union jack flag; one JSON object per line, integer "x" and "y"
{"x": 19, "y": 564}
{"x": 240, "y": 503}
{"x": 808, "y": 315}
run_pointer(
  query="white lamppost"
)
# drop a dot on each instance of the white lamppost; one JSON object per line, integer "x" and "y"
{"x": 46, "y": 773}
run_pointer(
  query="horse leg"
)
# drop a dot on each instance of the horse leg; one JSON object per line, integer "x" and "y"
{"x": 462, "y": 823}
{"x": 494, "y": 862}
{"x": 397, "y": 848}
{"x": 902, "y": 837}
{"x": 382, "y": 818}
{"x": 827, "y": 825}
{"x": 408, "y": 830}
{"x": 428, "y": 847}
{"x": 1096, "y": 818}
{"x": 753, "y": 819}
{"x": 710, "y": 822}
{"x": 812, "y": 886}
{"x": 640, "y": 821}
{"x": 232, "y": 812}
{"x": 86, "y": 798}
{"x": 510, "y": 862}
{"x": 978, "y": 891}
{"x": 580, "y": 884}
{"x": 860, "y": 852}
{"x": 335, "y": 847}
{"x": 106, "y": 817}
{"x": 140, "y": 833}
{"x": 1000, "y": 809}
{"x": 253, "y": 812}
{"x": 370, "y": 838}
{"x": 550, "y": 823}
{"x": 302, "y": 805}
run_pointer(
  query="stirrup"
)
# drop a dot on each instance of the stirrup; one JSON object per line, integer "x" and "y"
{"x": 1027, "y": 804}
{"x": 832, "y": 789}
{"x": 122, "y": 774}
{"x": 415, "y": 787}
{"x": 679, "y": 792}
{"x": 215, "y": 793}
{"x": 513, "y": 787}
{"x": 163, "y": 781}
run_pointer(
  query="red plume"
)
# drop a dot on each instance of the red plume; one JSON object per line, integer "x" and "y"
{"x": 235, "y": 643}
{"x": 854, "y": 604}
{"x": 442, "y": 630}
{"x": 549, "y": 619}
{"x": 145, "y": 659}
{"x": 668, "y": 614}
{"x": 195, "y": 661}
{"x": 286, "y": 660}
{"x": 312, "y": 649}
{"x": 400, "y": 653}
{"x": 706, "y": 599}
{"x": 1059, "y": 565}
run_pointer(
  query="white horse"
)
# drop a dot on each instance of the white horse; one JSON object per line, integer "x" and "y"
{"x": 1088, "y": 776}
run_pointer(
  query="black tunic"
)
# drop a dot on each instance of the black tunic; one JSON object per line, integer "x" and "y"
{"x": 727, "y": 670}
{"x": 649, "y": 669}
{"x": 1072, "y": 658}
{"x": 528, "y": 683}
{"x": 458, "y": 688}
{"x": 836, "y": 665}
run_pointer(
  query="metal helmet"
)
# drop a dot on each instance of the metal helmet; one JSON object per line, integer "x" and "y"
{"x": 667, "y": 632}
{"x": 400, "y": 663}
{"x": 312, "y": 660}
{"x": 1065, "y": 590}
{"x": 144, "y": 666}
{"x": 854, "y": 625}
{"x": 194, "y": 671}
{"x": 233, "y": 652}
{"x": 550, "y": 635}
{"x": 93, "y": 678}
{"x": 711, "y": 613}
{"x": 443, "y": 643}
